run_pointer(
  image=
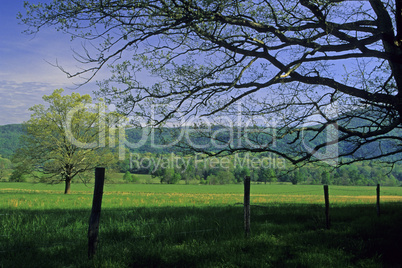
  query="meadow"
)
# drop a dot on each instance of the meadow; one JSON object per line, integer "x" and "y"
{"x": 154, "y": 225}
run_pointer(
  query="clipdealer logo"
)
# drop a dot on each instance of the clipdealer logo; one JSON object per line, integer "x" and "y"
{"x": 330, "y": 156}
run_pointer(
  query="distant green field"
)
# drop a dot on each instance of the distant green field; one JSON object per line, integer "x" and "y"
{"x": 29, "y": 195}
{"x": 155, "y": 225}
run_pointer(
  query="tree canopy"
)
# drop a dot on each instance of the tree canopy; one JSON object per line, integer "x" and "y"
{"x": 64, "y": 139}
{"x": 293, "y": 70}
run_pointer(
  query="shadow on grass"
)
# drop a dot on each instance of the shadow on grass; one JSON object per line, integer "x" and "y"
{"x": 283, "y": 235}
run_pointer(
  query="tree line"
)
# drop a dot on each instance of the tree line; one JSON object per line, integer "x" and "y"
{"x": 262, "y": 168}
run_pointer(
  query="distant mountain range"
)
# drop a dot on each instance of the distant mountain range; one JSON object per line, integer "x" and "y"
{"x": 10, "y": 142}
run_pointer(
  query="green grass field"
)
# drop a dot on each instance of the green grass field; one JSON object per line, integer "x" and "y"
{"x": 154, "y": 225}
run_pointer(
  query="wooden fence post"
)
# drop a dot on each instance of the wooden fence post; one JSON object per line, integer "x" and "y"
{"x": 326, "y": 197}
{"x": 247, "y": 206}
{"x": 93, "y": 229}
{"x": 378, "y": 200}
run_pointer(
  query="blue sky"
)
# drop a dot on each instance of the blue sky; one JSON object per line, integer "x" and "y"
{"x": 25, "y": 72}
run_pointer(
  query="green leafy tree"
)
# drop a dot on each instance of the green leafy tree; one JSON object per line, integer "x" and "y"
{"x": 340, "y": 60}
{"x": 222, "y": 176}
{"x": 266, "y": 175}
{"x": 123, "y": 165}
{"x": 240, "y": 172}
{"x": 391, "y": 181}
{"x": 64, "y": 138}
{"x": 169, "y": 176}
{"x": 296, "y": 176}
{"x": 188, "y": 172}
{"x": 325, "y": 177}
{"x": 176, "y": 178}
{"x": 128, "y": 177}
{"x": 18, "y": 175}
{"x": 377, "y": 175}
{"x": 5, "y": 166}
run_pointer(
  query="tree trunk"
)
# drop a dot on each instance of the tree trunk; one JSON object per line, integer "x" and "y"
{"x": 68, "y": 186}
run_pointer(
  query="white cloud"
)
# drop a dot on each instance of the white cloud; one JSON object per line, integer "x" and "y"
{"x": 17, "y": 97}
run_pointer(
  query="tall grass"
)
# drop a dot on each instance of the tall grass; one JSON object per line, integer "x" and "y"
{"x": 197, "y": 226}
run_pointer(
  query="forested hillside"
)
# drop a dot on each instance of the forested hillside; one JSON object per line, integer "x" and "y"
{"x": 10, "y": 134}
{"x": 9, "y": 139}
{"x": 158, "y": 161}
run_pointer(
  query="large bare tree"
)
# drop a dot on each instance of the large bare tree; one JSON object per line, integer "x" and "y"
{"x": 275, "y": 72}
